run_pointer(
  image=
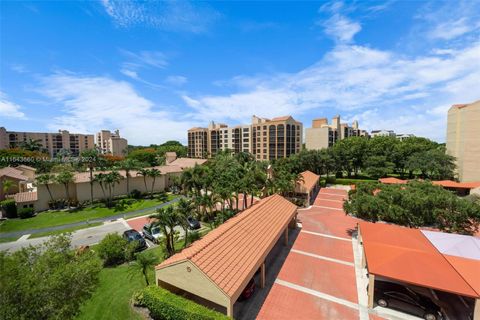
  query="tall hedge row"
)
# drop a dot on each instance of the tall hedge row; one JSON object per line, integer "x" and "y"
{"x": 164, "y": 305}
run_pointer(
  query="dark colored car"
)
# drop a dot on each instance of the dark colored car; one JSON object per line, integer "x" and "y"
{"x": 152, "y": 232}
{"x": 248, "y": 291}
{"x": 399, "y": 297}
{"x": 193, "y": 223}
{"x": 134, "y": 235}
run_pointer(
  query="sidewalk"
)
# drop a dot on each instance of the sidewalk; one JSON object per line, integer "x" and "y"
{"x": 81, "y": 223}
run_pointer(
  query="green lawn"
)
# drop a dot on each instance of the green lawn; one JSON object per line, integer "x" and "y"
{"x": 51, "y": 233}
{"x": 58, "y": 218}
{"x": 111, "y": 300}
{"x": 9, "y": 239}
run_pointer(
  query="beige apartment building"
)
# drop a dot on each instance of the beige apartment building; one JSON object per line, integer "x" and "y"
{"x": 323, "y": 135}
{"x": 51, "y": 142}
{"x": 463, "y": 139}
{"x": 111, "y": 143}
{"x": 266, "y": 139}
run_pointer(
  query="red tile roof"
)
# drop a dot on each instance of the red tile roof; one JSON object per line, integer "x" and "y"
{"x": 186, "y": 162}
{"x": 309, "y": 181}
{"x": 391, "y": 180}
{"x": 13, "y": 173}
{"x": 458, "y": 185}
{"x": 284, "y": 118}
{"x": 406, "y": 255}
{"x": 22, "y": 197}
{"x": 230, "y": 254}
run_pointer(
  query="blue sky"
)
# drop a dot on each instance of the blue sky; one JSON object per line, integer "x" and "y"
{"x": 154, "y": 69}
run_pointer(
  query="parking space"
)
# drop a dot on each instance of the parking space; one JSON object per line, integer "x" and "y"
{"x": 318, "y": 279}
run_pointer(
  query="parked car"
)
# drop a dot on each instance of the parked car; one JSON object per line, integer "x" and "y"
{"x": 134, "y": 235}
{"x": 248, "y": 291}
{"x": 152, "y": 232}
{"x": 402, "y": 298}
{"x": 193, "y": 223}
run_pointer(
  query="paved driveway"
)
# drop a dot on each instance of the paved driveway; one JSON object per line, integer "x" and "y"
{"x": 318, "y": 278}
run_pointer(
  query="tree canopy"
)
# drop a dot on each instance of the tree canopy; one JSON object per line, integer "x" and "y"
{"x": 49, "y": 281}
{"x": 416, "y": 204}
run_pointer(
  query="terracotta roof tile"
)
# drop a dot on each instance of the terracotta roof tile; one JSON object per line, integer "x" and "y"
{"x": 392, "y": 180}
{"x": 310, "y": 179}
{"x": 25, "y": 197}
{"x": 186, "y": 162}
{"x": 406, "y": 255}
{"x": 13, "y": 173}
{"x": 229, "y": 254}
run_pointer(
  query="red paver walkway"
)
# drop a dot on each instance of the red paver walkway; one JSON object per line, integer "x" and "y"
{"x": 332, "y": 278}
{"x": 318, "y": 286}
{"x": 284, "y": 303}
{"x": 340, "y": 250}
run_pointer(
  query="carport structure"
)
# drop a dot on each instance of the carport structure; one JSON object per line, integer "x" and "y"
{"x": 307, "y": 187}
{"x": 218, "y": 267}
{"x": 434, "y": 260}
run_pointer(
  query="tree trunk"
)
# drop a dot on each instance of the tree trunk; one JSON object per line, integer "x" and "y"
{"x": 145, "y": 182}
{"x": 127, "y": 173}
{"x": 186, "y": 237}
{"x": 91, "y": 184}
{"x": 144, "y": 271}
{"x": 245, "y": 202}
{"x": 49, "y": 192}
{"x": 153, "y": 186}
{"x": 251, "y": 199}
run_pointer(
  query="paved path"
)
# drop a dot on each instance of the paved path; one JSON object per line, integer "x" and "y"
{"x": 81, "y": 223}
{"x": 81, "y": 237}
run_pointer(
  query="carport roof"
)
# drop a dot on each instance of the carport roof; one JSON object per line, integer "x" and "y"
{"x": 308, "y": 182}
{"x": 407, "y": 255}
{"x": 230, "y": 254}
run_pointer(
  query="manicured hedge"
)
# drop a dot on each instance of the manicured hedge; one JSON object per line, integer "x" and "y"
{"x": 10, "y": 208}
{"x": 24, "y": 213}
{"x": 164, "y": 305}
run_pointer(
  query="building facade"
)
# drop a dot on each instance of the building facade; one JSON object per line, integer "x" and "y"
{"x": 382, "y": 133}
{"x": 265, "y": 139}
{"x": 463, "y": 139}
{"x": 323, "y": 135}
{"x": 111, "y": 143}
{"x": 52, "y": 143}
{"x": 197, "y": 142}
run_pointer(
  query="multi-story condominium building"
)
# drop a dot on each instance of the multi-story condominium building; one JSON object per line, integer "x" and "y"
{"x": 463, "y": 139}
{"x": 265, "y": 138}
{"x": 323, "y": 135}
{"x": 382, "y": 133}
{"x": 403, "y": 136}
{"x": 198, "y": 142}
{"x": 52, "y": 143}
{"x": 111, "y": 143}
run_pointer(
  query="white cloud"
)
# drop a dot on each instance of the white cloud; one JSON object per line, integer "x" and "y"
{"x": 130, "y": 73}
{"x": 165, "y": 15}
{"x": 94, "y": 103}
{"x": 352, "y": 79}
{"x": 450, "y": 20}
{"x": 176, "y": 80}
{"x": 341, "y": 28}
{"x": 9, "y": 109}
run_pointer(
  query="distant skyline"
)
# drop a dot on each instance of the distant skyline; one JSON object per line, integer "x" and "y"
{"x": 155, "y": 69}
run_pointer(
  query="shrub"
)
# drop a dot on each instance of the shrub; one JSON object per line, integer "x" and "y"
{"x": 193, "y": 236}
{"x": 112, "y": 249}
{"x": 165, "y": 305}
{"x": 135, "y": 194}
{"x": 130, "y": 250}
{"x": 9, "y": 207}
{"x": 25, "y": 213}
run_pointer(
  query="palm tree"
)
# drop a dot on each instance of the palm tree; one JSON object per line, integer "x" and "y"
{"x": 144, "y": 172}
{"x": 185, "y": 209}
{"x": 111, "y": 179}
{"x": 129, "y": 165}
{"x": 65, "y": 177}
{"x": 7, "y": 185}
{"x": 45, "y": 179}
{"x": 143, "y": 262}
{"x": 153, "y": 173}
{"x": 100, "y": 178}
{"x": 167, "y": 219}
{"x": 31, "y": 145}
{"x": 92, "y": 158}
